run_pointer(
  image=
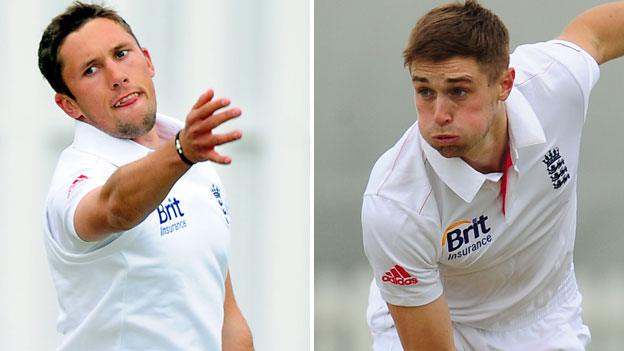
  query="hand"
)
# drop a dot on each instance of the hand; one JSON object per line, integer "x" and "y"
{"x": 197, "y": 138}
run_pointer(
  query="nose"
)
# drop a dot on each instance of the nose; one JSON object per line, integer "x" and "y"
{"x": 116, "y": 75}
{"x": 442, "y": 114}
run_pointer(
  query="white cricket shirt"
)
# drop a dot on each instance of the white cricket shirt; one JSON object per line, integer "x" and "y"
{"x": 158, "y": 286}
{"x": 434, "y": 224}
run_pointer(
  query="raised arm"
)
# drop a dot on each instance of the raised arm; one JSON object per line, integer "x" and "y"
{"x": 133, "y": 191}
{"x": 599, "y": 31}
{"x": 425, "y": 327}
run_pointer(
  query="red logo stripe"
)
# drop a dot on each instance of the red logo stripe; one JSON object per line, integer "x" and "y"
{"x": 403, "y": 272}
{"x": 399, "y": 276}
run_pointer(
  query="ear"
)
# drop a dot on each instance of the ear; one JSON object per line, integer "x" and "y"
{"x": 150, "y": 64}
{"x": 69, "y": 106}
{"x": 506, "y": 83}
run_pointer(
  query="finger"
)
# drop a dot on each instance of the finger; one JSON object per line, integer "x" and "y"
{"x": 204, "y": 98}
{"x": 218, "y": 158}
{"x": 208, "y": 144}
{"x": 220, "y": 139}
{"x": 209, "y": 108}
{"x": 216, "y": 120}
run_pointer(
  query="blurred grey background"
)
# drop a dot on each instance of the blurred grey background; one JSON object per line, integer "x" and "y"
{"x": 363, "y": 103}
{"x": 257, "y": 54}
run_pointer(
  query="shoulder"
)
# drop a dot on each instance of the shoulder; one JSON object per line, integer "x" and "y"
{"x": 555, "y": 61}
{"x": 393, "y": 218}
{"x": 73, "y": 162}
{"x": 75, "y": 167}
{"x": 400, "y": 173}
{"x": 77, "y": 173}
{"x": 399, "y": 203}
{"x": 545, "y": 53}
{"x": 396, "y": 238}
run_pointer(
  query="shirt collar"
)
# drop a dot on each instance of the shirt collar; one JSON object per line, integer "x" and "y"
{"x": 119, "y": 152}
{"x": 524, "y": 130}
{"x": 524, "y": 127}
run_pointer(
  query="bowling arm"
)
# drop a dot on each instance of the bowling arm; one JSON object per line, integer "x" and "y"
{"x": 426, "y": 327}
{"x": 131, "y": 193}
{"x": 599, "y": 31}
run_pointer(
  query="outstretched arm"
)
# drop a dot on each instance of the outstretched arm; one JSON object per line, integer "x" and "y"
{"x": 599, "y": 31}
{"x": 133, "y": 191}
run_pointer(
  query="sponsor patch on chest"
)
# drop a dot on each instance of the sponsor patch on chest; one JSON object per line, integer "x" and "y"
{"x": 464, "y": 237}
{"x": 171, "y": 216}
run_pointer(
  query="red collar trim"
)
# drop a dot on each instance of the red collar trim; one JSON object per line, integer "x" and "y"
{"x": 506, "y": 167}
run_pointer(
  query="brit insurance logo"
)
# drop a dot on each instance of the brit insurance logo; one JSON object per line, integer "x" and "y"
{"x": 555, "y": 165}
{"x": 465, "y": 236}
{"x": 171, "y": 216}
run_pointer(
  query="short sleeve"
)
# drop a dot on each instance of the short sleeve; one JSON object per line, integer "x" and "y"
{"x": 401, "y": 248}
{"x": 63, "y": 201}
{"x": 580, "y": 66}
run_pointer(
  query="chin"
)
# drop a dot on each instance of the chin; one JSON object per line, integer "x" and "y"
{"x": 149, "y": 120}
{"x": 129, "y": 130}
{"x": 450, "y": 151}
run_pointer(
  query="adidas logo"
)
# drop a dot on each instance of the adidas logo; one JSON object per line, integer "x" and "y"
{"x": 74, "y": 184}
{"x": 399, "y": 276}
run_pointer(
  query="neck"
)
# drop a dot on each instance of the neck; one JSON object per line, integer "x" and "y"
{"x": 489, "y": 155}
{"x": 149, "y": 140}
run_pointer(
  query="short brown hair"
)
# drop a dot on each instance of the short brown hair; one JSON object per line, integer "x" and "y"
{"x": 76, "y": 16}
{"x": 460, "y": 30}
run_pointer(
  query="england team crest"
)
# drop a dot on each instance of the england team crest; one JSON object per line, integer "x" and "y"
{"x": 216, "y": 191}
{"x": 556, "y": 167}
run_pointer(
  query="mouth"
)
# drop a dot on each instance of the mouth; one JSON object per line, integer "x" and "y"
{"x": 445, "y": 139}
{"x": 126, "y": 100}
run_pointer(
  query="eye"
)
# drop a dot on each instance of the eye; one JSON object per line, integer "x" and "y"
{"x": 425, "y": 92}
{"x": 458, "y": 92}
{"x": 90, "y": 70}
{"x": 121, "y": 53}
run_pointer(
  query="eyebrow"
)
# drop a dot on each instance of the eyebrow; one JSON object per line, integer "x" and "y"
{"x": 92, "y": 61}
{"x": 460, "y": 79}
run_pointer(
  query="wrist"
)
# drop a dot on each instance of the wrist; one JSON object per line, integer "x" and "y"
{"x": 178, "y": 146}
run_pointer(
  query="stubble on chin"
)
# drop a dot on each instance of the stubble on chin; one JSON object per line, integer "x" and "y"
{"x": 131, "y": 131}
{"x": 451, "y": 151}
